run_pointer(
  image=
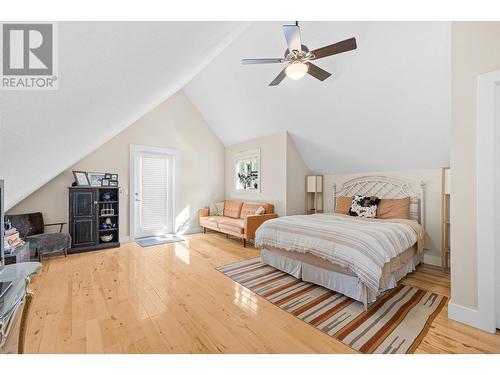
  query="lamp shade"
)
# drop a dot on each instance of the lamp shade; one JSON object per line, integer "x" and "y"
{"x": 296, "y": 70}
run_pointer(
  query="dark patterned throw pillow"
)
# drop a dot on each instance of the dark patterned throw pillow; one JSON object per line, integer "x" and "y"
{"x": 364, "y": 206}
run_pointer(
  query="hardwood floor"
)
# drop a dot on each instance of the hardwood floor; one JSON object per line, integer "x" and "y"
{"x": 170, "y": 299}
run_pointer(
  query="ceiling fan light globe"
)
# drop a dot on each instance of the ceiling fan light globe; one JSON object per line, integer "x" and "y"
{"x": 296, "y": 70}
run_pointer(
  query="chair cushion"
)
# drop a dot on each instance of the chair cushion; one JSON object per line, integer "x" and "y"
{"x": 232, "y": 209}
{"x": 233, "y": 225}
{"x": 251, "y": 208}
{"x": 51, "y": 242}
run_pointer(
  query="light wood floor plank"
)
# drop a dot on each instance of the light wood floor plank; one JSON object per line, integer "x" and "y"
{"x": 170, "y": 299}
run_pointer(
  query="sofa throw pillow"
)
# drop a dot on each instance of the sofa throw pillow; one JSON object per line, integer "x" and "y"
{"x": 217, "y": 209}
{"x": 364, "y": 206}
{"x": 260, "y": 211}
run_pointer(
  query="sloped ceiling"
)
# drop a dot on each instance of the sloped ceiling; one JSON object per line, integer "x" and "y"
{"x": 110, "y": 74}
{"x": 386, "y": 106}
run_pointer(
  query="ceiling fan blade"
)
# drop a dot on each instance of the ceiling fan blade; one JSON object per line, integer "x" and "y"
{"x": 317, "y": 72}
{"x": 292, "y": 36}
{"x": 280, "y": 77}
{"x": 261, "y": 61}
{"x": 333, "y": 49}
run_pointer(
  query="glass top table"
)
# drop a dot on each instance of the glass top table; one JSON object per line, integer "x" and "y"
{"x": 16, "y": 273}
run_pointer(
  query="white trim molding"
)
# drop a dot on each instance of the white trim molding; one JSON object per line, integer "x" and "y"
{"x": 124, "y": 239}
{"x": 484, "y": 317}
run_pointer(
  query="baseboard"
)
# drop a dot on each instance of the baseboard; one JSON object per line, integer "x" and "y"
{"x": 124, "y": 239}
{"x": 469, "y": 316}
{"x": 193, "y": 230}
{"x": 433, "y": 260}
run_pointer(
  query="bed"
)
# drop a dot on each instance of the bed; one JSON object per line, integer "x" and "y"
{"x": 358, "y": 257}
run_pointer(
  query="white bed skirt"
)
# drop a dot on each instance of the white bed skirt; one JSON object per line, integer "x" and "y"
{"x": 348, "y": 285}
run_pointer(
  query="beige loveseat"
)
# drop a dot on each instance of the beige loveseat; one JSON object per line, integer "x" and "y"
{"x": 239, "y": 219}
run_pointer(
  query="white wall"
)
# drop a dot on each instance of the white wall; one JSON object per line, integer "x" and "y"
{"x": 474, "y": 51}
{"x": 273, "y": 171}
{"x": 296, "y": 172}
{"x": 497, "y": 255}
{"x": 173, "y": 124}
{"x": 432, "y": 179}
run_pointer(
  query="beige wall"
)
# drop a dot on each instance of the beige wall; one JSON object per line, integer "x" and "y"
{"x": 432, "y": 179}
{"x": 296, "y": 172}
{"x": 273, "y": 171}
{"x": 474, "y": 50}
{"x": 173, "y": 124}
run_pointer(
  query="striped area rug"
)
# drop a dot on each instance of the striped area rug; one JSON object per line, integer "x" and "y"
{"x": 396, "y": 323}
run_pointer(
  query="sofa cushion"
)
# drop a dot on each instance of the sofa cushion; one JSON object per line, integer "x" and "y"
{"x": 232, "y": 209}
{"x": 211, "y": 222}
{"x": 251, "y": 209}
{"x": 232, "y": 225}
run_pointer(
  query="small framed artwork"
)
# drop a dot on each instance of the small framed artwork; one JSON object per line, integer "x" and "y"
{"x": 114, "y": 177}
{"x": 95, "y": 178}
{"x": 247, "y": 170}
{"x": 81, "y": 178}
{"x": 105, "y": 182}
{"x": 113, "y": 183}
{"x": 107, "y": 175}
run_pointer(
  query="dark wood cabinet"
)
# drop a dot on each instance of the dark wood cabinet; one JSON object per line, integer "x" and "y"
{"x": 93, "y": 218}
{"x": 84, "y": 202}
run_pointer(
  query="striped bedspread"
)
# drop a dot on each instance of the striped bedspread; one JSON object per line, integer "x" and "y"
{"x": 362, "y": 245}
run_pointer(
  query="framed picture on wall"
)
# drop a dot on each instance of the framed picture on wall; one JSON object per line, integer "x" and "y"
{"x": 247, "y": 170}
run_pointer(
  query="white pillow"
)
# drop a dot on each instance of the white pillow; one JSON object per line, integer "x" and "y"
{"x": 216, "y": 209}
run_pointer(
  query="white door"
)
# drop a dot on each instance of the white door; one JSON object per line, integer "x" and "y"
{"x": 152, "y": 195}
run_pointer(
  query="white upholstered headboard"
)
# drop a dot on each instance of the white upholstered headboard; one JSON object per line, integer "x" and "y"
{"x": 384, "y": 187}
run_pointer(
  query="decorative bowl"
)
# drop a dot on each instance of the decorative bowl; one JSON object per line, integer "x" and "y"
{"x": 106, "y": 196}
{"x": 107, "y": 237}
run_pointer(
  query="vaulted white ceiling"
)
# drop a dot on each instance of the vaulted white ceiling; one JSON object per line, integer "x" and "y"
{"x": 110, "y": 74}
{"x": 386, "y": 106}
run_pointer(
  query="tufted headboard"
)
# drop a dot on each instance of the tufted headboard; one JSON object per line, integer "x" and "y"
{"x": 384, "y": 187}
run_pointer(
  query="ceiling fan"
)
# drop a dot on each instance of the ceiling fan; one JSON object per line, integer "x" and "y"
{"x": 298, "y": 57}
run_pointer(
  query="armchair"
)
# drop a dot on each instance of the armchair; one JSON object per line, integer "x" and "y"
{"x": 31, "y": 228}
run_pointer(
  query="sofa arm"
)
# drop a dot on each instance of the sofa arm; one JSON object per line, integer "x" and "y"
{"x": 253, "y": 222}
{"x": 203, "y": 212}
